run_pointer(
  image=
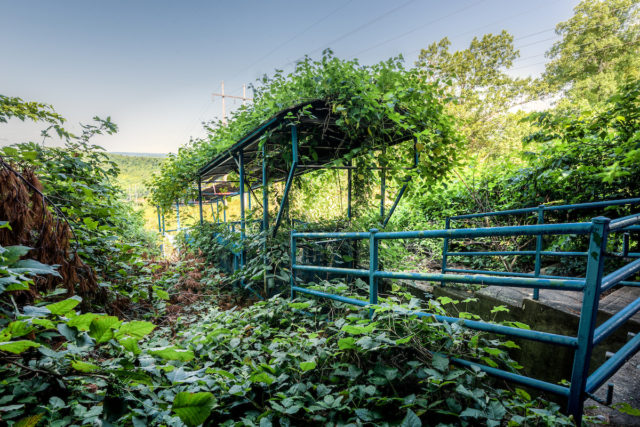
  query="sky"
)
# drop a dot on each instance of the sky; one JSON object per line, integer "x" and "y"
{"x": 152, "y": 66}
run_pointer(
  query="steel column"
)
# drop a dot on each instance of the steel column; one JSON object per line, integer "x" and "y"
{"x": 200, "y": 199}
{"x": 178, "y": 216}
{"x": 536, "y": 292}
{"x": 287, "y": 188}
{"x": 293, "y": 264}
{"x": 582, "y": 355}
{"x": 373, "y": 268}
{"x": 242, "y": 213}
{"x": 396, "y": 201}
{"x": 445, "y": 248}
{"x": 349, "y": 186}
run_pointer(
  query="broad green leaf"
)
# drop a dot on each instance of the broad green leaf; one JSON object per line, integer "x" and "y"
{"x": 31, "y": 266}
{"x": 64, "y": 306}
{"x": 136, "y": 328}
{"x": 307, "y": 366}
{"x": 411, "y": 420}
{"x": 347, "y": 343}
{"x": 83, "y": 321}
{"x": 84, "y": 366}
{"x": 45, "y": 323}
{"x": 102, "y": 327}
{"x": 130, "y": 344}
{"x": 172, "y": 353}
{"x": 193, "y": 408}
{"x": 262, "y": 377}
{"x": 19, "y": 328}
{"x": 17, "y": 347}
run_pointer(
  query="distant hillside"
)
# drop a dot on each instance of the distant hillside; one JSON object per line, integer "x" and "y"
{"x": 135, "y": 170}
{"x": 125, "y": 153}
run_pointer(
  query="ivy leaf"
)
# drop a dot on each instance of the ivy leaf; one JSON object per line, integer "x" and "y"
{"x": 440, "y": 362}
{"x": 411, "y": 420}
{"x": 17, "y": 347}
{"x": 137, "y": 329}
{"x": 130, "y": 344}
{"x": 82, "y": 322}
{"x": 193, "y": 408}
{"x": 172, "y": 353}
{"x": 262, "y": 377}
{"x": 102, "y": 327}
{"x": 64, "y": 306}
{"x": 84, "y": 366}
{"x": 307, "y": 366}
{"x": 347, "y": 343}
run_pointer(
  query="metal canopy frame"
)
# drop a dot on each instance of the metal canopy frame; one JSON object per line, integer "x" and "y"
{"x": 272, "y": 153}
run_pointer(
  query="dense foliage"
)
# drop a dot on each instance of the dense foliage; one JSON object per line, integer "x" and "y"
{"x": 372, "y": 104}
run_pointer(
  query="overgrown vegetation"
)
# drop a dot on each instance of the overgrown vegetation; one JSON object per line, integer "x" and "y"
{"x": 95, "y": 330}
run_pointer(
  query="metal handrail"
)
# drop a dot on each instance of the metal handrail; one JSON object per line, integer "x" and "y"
{"x": 594, "y": 283}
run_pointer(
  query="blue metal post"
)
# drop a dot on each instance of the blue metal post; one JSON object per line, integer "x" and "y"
{"x": 200, "y": 199}
{"x": 224, "y": 211}
{"x": 445, "y": 248}
{"x": 373, "y": 268}
{"x": 383, "y": 184}
{"x": 287, "y": 187}
{"x": 178, "y": 216}
{"x": 396, "y": 201}
{"x": 265, "y": 190}
{"x": 159, "y": 223}
{"x": 217, "y": 211}
{"x": 241, "y": 189}
{"x": 536, "y": 292}
{"x": 349, "y": 186}
{"x": 593, "y": 280}
{"x": 293, "y": 263}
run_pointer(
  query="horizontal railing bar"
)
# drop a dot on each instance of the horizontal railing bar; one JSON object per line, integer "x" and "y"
{"x": 516, "y": 378}
{"x": 628, "y": 228}
{"x": 507, "y": 273}
{"x": 539, "y": 336}
{"x": 491, "y": 273}
{"x": 492, "y": 253}
{"x": 315, "y": 235}
{"x": 330, "y": 296}
{"x": 615, "y": 321}
{"x": 625, "y": 221}
{"x": 336, "y": 270}
{"x": 517, "y": 282}
{"x": 496, "y": 213}
{"x": 529, "y": 253}
{"x": 611, "y": 366}
{"x": 603, "y": 203}
{"x": 518, "y": 230}
{"x": 612, "y": 279}
{"x": 514, "y": 253}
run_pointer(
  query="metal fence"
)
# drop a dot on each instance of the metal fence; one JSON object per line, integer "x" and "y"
{"x": 592, "y": 286}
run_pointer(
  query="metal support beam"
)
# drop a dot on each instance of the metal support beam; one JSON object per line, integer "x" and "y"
{"x": 593, "y": 280}
{"x": 349, "y": 186}
{"x": 178, "y": 216}
{"x": 287, "y": 188}
{"x": 242, "y": 214}
{"x": 536, "y": 292}
{"x": 265, "y": 190}
{"x": 200, "y": 200}
{"x": 383, "y": 184}
{"x": 396, "y": 201}
{"x": 159, "y": 222}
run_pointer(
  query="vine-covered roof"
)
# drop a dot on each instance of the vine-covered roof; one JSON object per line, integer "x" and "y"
{"x": 321, "y": 141}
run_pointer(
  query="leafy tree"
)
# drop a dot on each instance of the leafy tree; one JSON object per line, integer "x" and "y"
{"x": 483, "y": 91}
{"x": 599, "y": 51}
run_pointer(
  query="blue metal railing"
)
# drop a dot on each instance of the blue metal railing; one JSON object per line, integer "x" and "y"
{"x": 539, "y": 252}
{"x": 592, "y": 285}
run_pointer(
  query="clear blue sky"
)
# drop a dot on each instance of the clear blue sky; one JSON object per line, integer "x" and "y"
{"x": 153, "y": 65}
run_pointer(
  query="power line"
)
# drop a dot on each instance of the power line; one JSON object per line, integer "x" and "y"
{"x": 462, "y": 9}
{"x": 366, "y": 24}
